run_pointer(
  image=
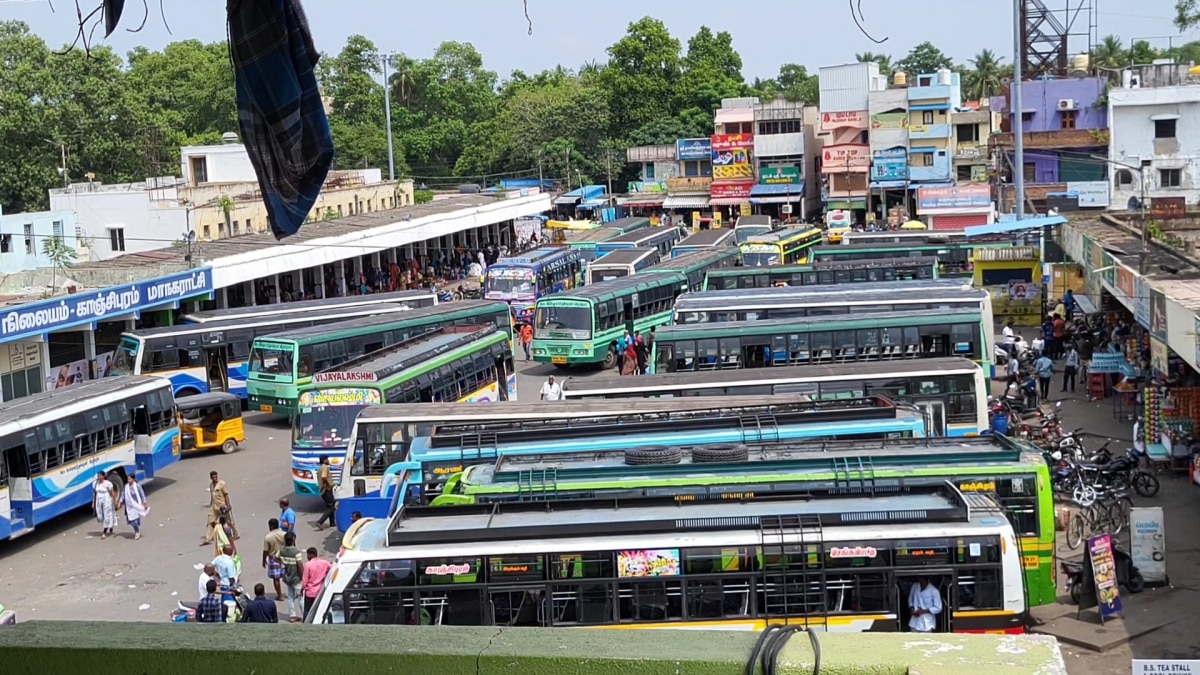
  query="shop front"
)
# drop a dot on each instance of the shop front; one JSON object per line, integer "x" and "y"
{"x": 889, "y": 184}
{"x": 644, "y": 198}
{"x": 732, "y": 174}
{"x": 845, "y": 170}
{"x": 687, "y": 200}
{"x": 779, "y": 193}
{"x": 1013, "y": 277}
{"x": 955, "y": 208}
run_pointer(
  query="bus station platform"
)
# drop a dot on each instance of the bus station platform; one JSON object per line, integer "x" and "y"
{"x": 47, "y": 342}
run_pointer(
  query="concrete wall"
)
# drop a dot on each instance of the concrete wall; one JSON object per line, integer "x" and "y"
{"x": 1043, "y": 96}
{"x": 18, "y": 255}
{"x": 1131, "y": 118}
{"x": 146, "y": 226}
{"x": 152, "y": 648}
{"x": 225, "y": 163}
{"x": 845, "y": 88}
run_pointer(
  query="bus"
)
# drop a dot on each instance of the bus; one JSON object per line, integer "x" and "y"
{"x": 661, "y": 238}
{"x": 54, "y": 443}
{"x": 780, "y": 247}
{"x": 952, "y": 392}
{"x": 697, "y": 265}
{"x": 829, "y": 562}
{"x": 520, "y": 281}
{"x": 703, "y": 241}
{"x": 953, "y": 248}
{"x": 824, "y": 273}
{"x": 583, "y": 325}
{"x": 416, "y": 298}
{"x": 751, "y": 226}
{"x": 214, "y": 356}
{"x": 917, "y": 334}
{"x": 1012, "y": 471}
{"x": 622, "y": 263}
{"x": 282, "y": 362}
{"x": 464, "y": 364}
{"x": 585, "y": 241}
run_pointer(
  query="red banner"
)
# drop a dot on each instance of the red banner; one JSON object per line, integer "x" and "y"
{"x": 845, "y": 157}
{"x": 843, "y": 120}
{"x": 732, "y": 142}
{"x": 731, "y": 190}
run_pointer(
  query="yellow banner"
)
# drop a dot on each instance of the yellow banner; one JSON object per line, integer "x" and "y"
{"x": 733, "y": 171}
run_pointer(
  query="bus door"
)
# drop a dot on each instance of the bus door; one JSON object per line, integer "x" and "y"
{"x": 934, "y": 411}
{"x": 756, "y": 351}
{"x": 501, "y": 378}
{"x": 18, "y": 504}
{"x": 940, "y": 580}
{"x": 217, "y": 368}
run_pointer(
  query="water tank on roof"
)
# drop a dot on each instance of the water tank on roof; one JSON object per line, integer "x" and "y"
{"x": 944, "y": 77}
{"x": 899, "y": 79}
{"x": 229, "y": 138}
{"x": 1081, "y": 62}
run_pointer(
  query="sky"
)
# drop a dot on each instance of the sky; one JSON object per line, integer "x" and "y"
{"x": 766, "y": 33}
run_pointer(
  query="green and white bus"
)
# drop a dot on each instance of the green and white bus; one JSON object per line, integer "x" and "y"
{"x": 661, "y": 238}
{"x": 281, "y": 363}
{"x": 703, "y": 241}
{"x": 953, "y": 249}
{"x": 463, "y": 364}
{"x": 696, "y": 266}
{"x": 781, "y": 247}
{"x": 824, "y": 273}
{"x": 583, "y": 325}
{"x": 622, "y": 263}
{"x": 585, "y": 241}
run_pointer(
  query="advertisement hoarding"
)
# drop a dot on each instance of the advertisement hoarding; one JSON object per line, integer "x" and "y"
{"x": 779, "y": 175}
{"x": 889, "y": 165}
{"x": 893, "y": 121}
{"x": 957, "y": 198}
{"x": 845, "y": 157}
{"x": 731, "y": 190}
{"x": 844, "y": 120}
{"x": 692, "y": 149}
{"x": 722, "y": 142}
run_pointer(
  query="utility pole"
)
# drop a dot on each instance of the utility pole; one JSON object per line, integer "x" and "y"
{"x": 608, "y": 169}
{"x": 387, "y": 112}
{"x": 541, "y": 182}
{"x": 1018, "y": 112}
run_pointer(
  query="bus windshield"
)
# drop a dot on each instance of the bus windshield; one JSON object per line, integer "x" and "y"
{"x": 511, "y": 282}
{"x": 271, "y": 360}
{"x": 324, "y": 426}
{"x": 125, "y": 358}
{"x": 599, "y": 274}
{"x": 577, "y": 320}
{"x": 760, "y": 259}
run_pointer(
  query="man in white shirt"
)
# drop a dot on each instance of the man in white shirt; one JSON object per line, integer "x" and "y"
{"x": 1010, "y": 337}
{"x": 551, "y": 390}
{"x": 925, "y": 603}
{"x": 209, "y": 572}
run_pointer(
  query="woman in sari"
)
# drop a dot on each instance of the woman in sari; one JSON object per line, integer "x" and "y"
{"x": 629, "y": 363}
{"x": 222, "y": 536}
{"x": 136, "y": 507}
{"x": 104, "y": 504}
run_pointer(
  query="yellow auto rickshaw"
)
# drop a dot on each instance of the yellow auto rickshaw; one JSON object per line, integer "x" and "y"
{"x": 212, "y": 420}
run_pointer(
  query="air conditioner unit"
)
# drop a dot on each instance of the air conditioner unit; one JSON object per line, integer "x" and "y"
{"x": 786, "y": 209}
{"x": 1066, "y": 104}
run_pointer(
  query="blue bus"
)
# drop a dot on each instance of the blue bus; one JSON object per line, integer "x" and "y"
{"x": 520, "y": 281}
{"x": 416, "y": 449}
{"x": 54, "y": 443}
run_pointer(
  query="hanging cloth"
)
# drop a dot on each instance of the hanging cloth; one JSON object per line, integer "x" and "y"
{"x": 280, "y": 112}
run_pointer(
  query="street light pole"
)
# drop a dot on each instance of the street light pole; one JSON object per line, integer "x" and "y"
{"x": 387, "y": 112}
{"x": 1018, "y": 121}
{"x": 1141, "y": 172}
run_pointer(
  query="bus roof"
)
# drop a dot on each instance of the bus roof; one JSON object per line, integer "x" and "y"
{"x": 357, "y": 325}
{"x": 628, "y": 223}
{"x": 624, "y": 256}
{"x": 925, "y": 287}
{"x": 707, "y": 238}
{"x": 595, "y": 518}
{"x": 638, "y": 236}
{"x": 29, "y": 411}
{"x": 691, "y": 260}
{"x": 918, "y": 317}
{"x": 384, "y": 363}
{"x": 350, "y": 314}
{"x": 782, "y": 236}
{"x": 537, "y": 257}
{"x": 804, "y": 296}
{"x": 755, "y": 220}
{"x": 617, "y": 287}
{"x": 423, "y": 297}
{"x": 829, "y": 372}
{"x": 866, "y": 263}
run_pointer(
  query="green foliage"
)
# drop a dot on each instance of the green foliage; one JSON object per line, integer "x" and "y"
{"x": 60, "y": 256}
{"x": 1187, "y": 14}
{"x": 924, "y": 59}
{"x": 422, "y": 196}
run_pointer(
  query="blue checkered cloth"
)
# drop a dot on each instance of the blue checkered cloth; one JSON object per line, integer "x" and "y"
{"x": 280, "y": 112}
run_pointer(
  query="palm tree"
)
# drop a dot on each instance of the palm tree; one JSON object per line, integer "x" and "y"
{"x": 985, "y": 78}
{"x": 1110, "y": 53}
{"x": 884, "y": 61}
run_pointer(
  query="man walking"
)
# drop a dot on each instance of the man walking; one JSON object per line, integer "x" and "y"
{"x": 219, "y": 504}
{"x": 551, "y": 390}
{"x": 316, "y": 569}
{"x": 526, "y": 338}
{"x": 1070, "y": 368}
{"x": 1044, "y": 367}
{"x": 272, "y": 545}
{"x": 287, "y": 517}
{"x": 325, "y": 486}
{"x": 293, "y": 577}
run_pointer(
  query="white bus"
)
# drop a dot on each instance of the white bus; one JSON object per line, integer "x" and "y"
{"x": 622, "y": 263}
{"x": 417, "y": 298}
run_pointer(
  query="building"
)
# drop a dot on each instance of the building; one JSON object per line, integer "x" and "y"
{"x": 973, "y": 127}
{"x": 846, "y": 155}
{"x": 1065, "y": 124}
{"x": 783, "y": 162}
{"x": 1154, "y": 147}
{"x": 932, "y": 98}
{"x": 216, "y": 197}
{"x": 733, "y": 164}
{"x": 24, "y": 237}
{"x": 888, "y": 110}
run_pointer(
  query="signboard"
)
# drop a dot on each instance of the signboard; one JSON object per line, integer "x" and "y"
{"x": 1159, "y": 356}
{"x": 349, "y": 376}
{"x": 1104, "y": 574}
{"x": 1141, "y": 300}
{"x": 642, "y": 187}
{"x": 1091, "y": 194}
{"x": 744, "y": 209}
{"x": 691, "y": 149}
{"x": 1158, "y": 314}
{"x": 85, "y": 308}
{"x": 844, "y": 120}
{"x": 652, "y": 563}
{"x": 979, "y": 174}
{"x": 889, "y": 165}
{"x": 845, "y": 157}
{"x": 892, "y": 121}
{"x": 342, "y": 396}
{"x": 691, "y": 183}
{"x": 1125, "y": 285}
{"x": 1149, "y": 543}
{"x": 954, "y": 198}
{"x": 723, "y": 142}
{"x": 1168, "y": 666}
{"x": 665, "y": 170}
{"x": 731, "y": 190}
{"x": 779, "y": 175}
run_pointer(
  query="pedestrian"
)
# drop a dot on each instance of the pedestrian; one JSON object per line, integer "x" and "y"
{"x": 136, "y": 507}
{"x": 551, "y": 390}
{"x": 315, "y": 571}
{"x": 104, "y": 504}
{"x": 1010, "y": 338}
{"x": 1070, "y": 368}
{"x": 260, "y": 609}
{"x": 639, "y": 350}
{"x": 293, "y": 577}
{"x": 1044, "y": 367}
{"x": 355, "y": 516}
{"x": 222, "y": 535}
{"x": 526, "y": 338}
{"x": 226, "y": 567}
{"x": 287, "y": 517}
{"x": 924, "y": 604}
{"x": 325, "y": 487}
{"x": 1013, "y": 368}
{"x": 211, "y": 609}
{"x": 272, "y": 546}
{"x": 1068, "y": 302}
{"x": 650, "y": 344}
{"x": 630, "y": 363}
{"x": 209, "y": 573}
{"x": 1059, "y": 332}
{"x": 219, "y": 504}
{"x": 622, "y": 345}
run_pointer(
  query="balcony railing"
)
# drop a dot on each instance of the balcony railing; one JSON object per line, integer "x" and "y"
{"x": 1059, "y": 138}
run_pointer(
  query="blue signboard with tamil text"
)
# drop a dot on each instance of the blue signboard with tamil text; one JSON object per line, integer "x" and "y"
{"x": 687, "y": 149}
{"x": 84, "y": 308}
{"x": 889, "y": 165}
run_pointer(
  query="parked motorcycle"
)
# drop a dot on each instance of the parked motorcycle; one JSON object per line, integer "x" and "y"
{"x": 1128, "y": 576}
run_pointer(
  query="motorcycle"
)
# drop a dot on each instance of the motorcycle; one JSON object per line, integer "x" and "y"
{"x": 1128, "y": 576}
{"x": 185, "y": 611}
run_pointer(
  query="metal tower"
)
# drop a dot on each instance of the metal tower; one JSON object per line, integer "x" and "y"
{"x": 1048, "y": 36}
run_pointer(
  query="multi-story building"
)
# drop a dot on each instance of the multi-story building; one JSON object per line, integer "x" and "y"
{"x": 25, "y": 237}
{"x": 733, "y": 174}
{"x": 973, "y": 126}
{"x": 673, "y": 177}
{"x": 846, "y": 155}
{"x": 888, "y": 108}
{"x": 932, "y": 97}
{"x": 1155, "y": 146}
{"x": 1065, "y": 124}
{"x": 781, "y": 155}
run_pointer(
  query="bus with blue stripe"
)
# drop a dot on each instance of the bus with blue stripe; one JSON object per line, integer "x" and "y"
{"x": 463, "y": 364}
{"x": 521, "y": 280}
{"x": 423, "y": 446}
{"x": 780, "y": 247}
{"x": 413, "y": 298}
{"x": 53, "y": 445}
{"x": 824, "y": 273}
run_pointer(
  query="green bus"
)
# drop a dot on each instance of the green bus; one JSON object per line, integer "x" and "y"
{"x": 1013, "y": 471}
{"x": 281, "y": 363}
{"x": 463, "y": 364}
{"x": 953, "y": 249}
{"x": 583, "y": 325}
{"x": 781, "y": 247}
{"x": 697, "y": 265}
{"x": 586, "y": 240}
{"x": 823, "y": 273}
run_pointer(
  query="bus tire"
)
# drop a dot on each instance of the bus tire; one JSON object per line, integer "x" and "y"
{"x": 117, "y": 478}
{"x": 720, "y": 453}
{"x": 610, "y": 359}
{"x": 653, "y": 456}
{"x": 229, "y": 447}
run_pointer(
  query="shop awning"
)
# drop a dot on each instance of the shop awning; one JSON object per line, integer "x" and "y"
{"x": 1003, "y": 226}
{"x": 787, "y": 193}
{"x": 642, "y": 200}
{"x": 593, "y": 204}
{"x": 567, "y": 200}
{"x": 728, "y": 201}
{"x": 585, "y": 193}
{"x": 686, "y": 202}
{"x": 888, "y": 184}
{"x": 930, "y": 106}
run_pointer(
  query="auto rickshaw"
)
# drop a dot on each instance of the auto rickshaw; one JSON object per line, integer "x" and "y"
{"x": 212, "y": 420}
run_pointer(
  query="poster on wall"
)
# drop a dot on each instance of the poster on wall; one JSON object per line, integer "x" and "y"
{"x": 1104, "y": 575}
{"x": 68, "y": 374}
{"x": 1125, "y": 285}
{"x": 1149, "y": 543}
{"x": 1158, "y": 314}
{"x": 101, "y": 364}
{"x": 1159, "y": 355}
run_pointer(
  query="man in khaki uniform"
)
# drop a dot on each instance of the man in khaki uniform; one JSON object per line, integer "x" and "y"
{"x": 219, "y": 504}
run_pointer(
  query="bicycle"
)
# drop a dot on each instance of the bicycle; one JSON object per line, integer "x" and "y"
{"x": 1107, "y": 515}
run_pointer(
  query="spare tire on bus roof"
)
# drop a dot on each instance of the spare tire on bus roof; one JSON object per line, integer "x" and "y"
{"x": 653, "y": 455}
{"x": 707, "y": 454}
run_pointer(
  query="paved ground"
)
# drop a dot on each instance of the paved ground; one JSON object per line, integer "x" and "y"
{"x": 64, "y": 571}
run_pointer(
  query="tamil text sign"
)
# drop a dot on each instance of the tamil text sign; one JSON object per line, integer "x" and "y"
{"x": 731, "y": 190}
{"x": 889, "y": 165}
{"x": 724, "y": 142}
{"x": 845, "y": 157}
{"x": 844, "y": 120}
{"x": 731, "y": 157}
{"x": 83, "y": 308}
{"x": 689, "y": 184}
{"x": 779, "y": 175}
{"x": 691, "y": 149}
{"x": 958, "y": 198}
{"x": 889, "y": 121}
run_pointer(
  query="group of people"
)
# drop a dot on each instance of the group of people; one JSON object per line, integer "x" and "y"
{"x": 633, "y": 353}
{"x": 108, "y": 498}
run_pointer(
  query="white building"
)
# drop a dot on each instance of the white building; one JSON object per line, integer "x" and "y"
{"x": 1154, "y": 137}
{"x": 125, "y": 218}
{"x": 23, "y": 238}
{"x": 225, "y": 163}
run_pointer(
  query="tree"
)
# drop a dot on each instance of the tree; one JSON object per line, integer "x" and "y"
{"x": 712, "y": 70}
{"x": 60, "y": 256}
{"x": 640, "y": 78}
{"x": 983, "y": 80}
{"x": 356, "y": 110}
{"x": 884, "y": 61}
{"x": 795, "y": 84}
{"x": 1187, "y": 14}
{"x": 1110, "y": 53}
{"x": 923, "y": 60}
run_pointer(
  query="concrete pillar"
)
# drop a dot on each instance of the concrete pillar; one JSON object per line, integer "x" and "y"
{"x": 253, "y": 293}
{"x": 300, "y": 285}
{"x": 222, "y": 296}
